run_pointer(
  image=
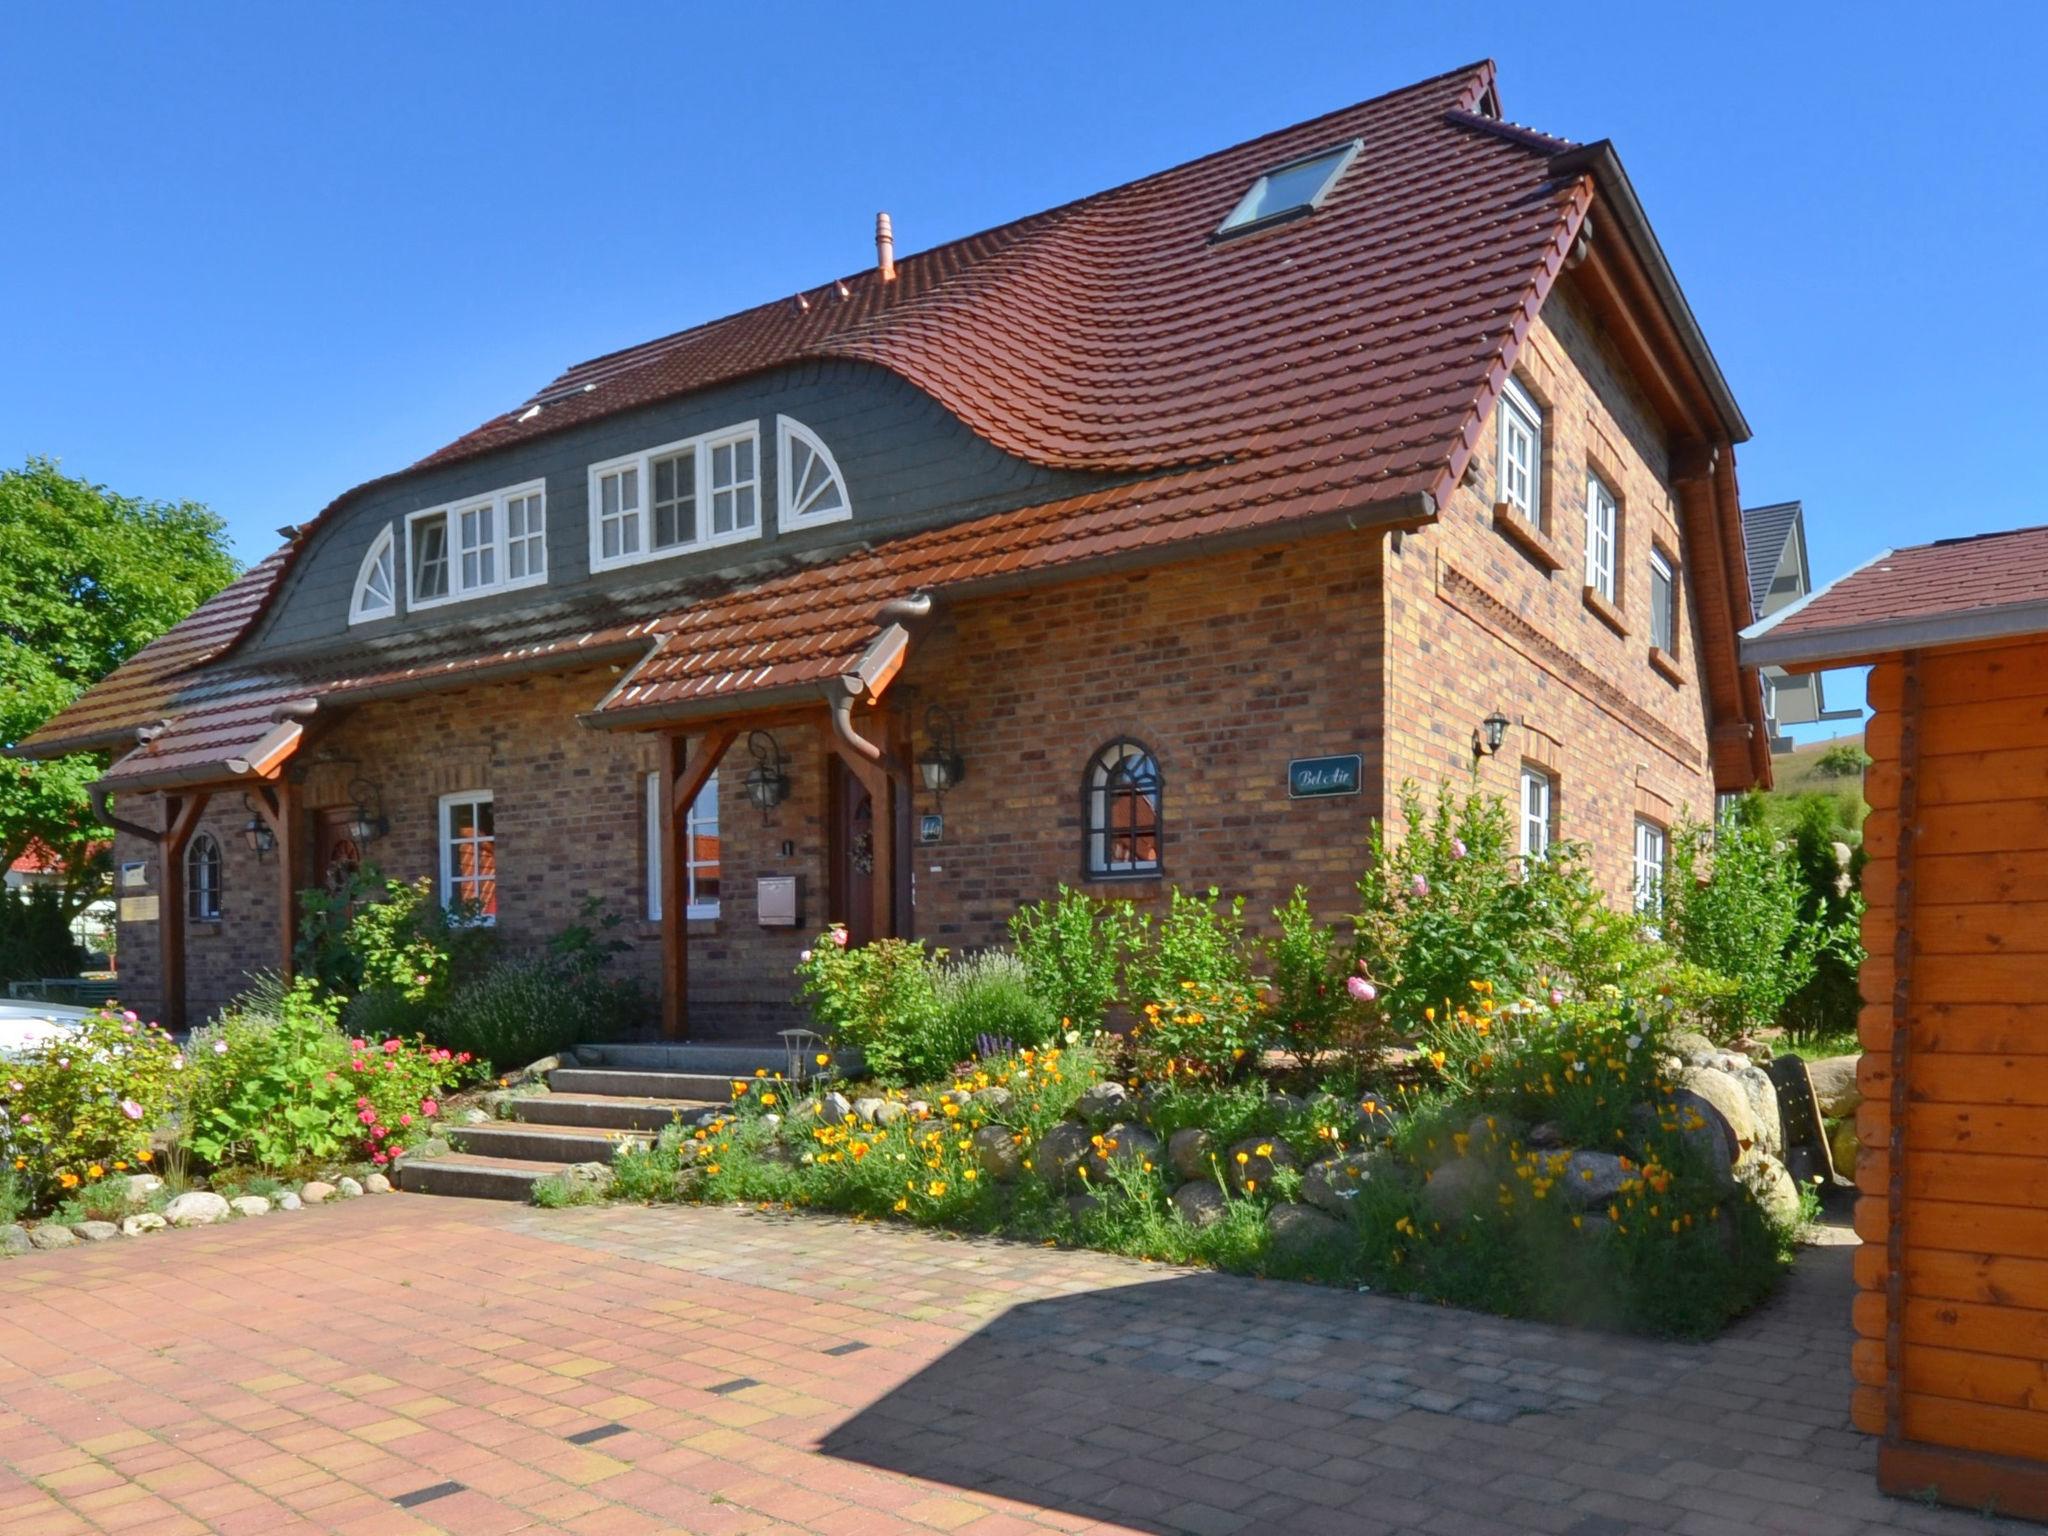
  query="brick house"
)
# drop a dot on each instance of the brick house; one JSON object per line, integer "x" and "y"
{"x": 1175, "y": 527}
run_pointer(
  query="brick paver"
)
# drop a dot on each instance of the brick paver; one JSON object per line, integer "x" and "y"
{"x": 631, "y": 1371}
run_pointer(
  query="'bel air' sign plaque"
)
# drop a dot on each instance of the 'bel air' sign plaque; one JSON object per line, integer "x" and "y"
{"x": 1309, "y": 778}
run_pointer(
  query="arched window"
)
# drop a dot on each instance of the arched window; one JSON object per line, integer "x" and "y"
{"x": 809, "y": 489}
{"x": 1121, "y": 801}
{"x": 202, "y": 879}
{"x": 376, "y": 595}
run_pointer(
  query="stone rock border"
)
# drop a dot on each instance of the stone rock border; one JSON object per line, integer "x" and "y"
{"x": 194, "y": 1208}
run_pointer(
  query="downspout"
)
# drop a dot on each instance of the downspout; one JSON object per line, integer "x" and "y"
{"x": 877, "y": 667}
{"x": 100, "y": 798}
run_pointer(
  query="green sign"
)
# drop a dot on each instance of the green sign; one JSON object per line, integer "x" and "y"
{"x": 1309, "y": 778}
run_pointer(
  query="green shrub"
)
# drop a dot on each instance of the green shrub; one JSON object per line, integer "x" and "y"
{"x": 1313, "y": 1006}
{"x": 990, "y": 994}
{"x": 882, "y": 999}
{"x": 1074, "y": 950}
{"x": 373, "y": 933}
{"x": 80, "y": 1107}
{"x": 1844, "y": 760}
{"x": 35, "y": 937}
{"x": 1200, "y": 1012}
{"x": 533, "y": 1005}
{"x": 1732, "y": 905}
{"x": 283, "y": 1088}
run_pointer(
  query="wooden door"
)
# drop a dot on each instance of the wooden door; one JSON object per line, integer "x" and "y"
{"x": 853, "y": 844}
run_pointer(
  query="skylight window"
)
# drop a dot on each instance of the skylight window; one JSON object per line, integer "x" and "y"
{"x": 1290, "y": 190}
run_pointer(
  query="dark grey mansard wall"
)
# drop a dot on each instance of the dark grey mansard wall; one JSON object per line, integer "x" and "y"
{"x": 907, "y": 461}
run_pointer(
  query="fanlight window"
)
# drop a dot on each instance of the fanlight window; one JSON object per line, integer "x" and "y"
{"x": 1121, "y": 809}
{"x": 809, "y": 487}
{"x": 376, "y": 595}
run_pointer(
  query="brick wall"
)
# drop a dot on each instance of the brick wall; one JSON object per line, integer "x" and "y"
{"x": 1475, "y": 624}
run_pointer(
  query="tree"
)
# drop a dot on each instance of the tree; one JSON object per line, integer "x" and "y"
{"x": 87, "y": 579}
{"x": 1844, "y": 760}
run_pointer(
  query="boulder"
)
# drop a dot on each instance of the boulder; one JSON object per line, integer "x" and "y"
{"x": 1332, "y": 1184}
{"x": 1768, "y": 1180}
{"x": 1834, "y": 1086}
{"x": 998, "y": 1153}
{"x": 1252, "y": 1163}
{"x": 1730, "y": 1101}
{"x": 1689, "y": 1046}
{"x": 197, "y": 1208}
{"x": 432, "y": 1146}
{"x": 376, "y": 1184}
{"x": 250, "y": 1205}
{"x": 1590, "y": 1180}
{"x": 14, "y": 1238}
{"x": 995, "y": 1101}
{"x": 833, "y": 1108}
{"x": 917, "y": 1109}
{"x": 535, "y": 1072}
{"x": 289, "y": 1201}
{"x": 1102, "y": 1103}
{"x": 1374, "y": 1115}
{"x": 348, "y": 1189}
{"x": 96, "y": 1231}
{"x": 1296, "y": 1231}
{"x": 1080, "y": 1207}
{"x": 1124, "y": 1143}
{"x": 49, "y": 1235}
{"x": 1702, "y": 1126}
{"x": 866, "y": 1110}
{"x": 1843, "y": 1143}
{"x": 475, "y": 1116}
{"x": 1284, "y": 1106}
{"x": 1063, "y": 1149}
{"x": 1545, "y": 1136}
{"x": 141, "y": 1222}
{"x": 959, "y": 1098}
{"x": 889, "y": 1111}
{"x": 1762, "y": 1093}
{"x": 1200, "y": 1202}
{"x": 596, "y": 1176}
{"x": 1458, "y": 1188}
{"x": 1188, "y": 1153}
{"x": 316, "y": 1192}
{"x": 143, "y": 1188}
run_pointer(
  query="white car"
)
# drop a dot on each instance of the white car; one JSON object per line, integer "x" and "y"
{"x": 26, "y": 1025}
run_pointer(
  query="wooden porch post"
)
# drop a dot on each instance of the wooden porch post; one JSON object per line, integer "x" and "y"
{"x": 181, "y": 815}
{"x": 683, "y": 774}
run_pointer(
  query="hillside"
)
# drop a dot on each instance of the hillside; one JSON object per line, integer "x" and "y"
{"x": 1798, "y": 771}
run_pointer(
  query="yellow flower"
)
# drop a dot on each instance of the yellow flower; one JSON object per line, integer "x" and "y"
{"x": 936, "y": 1188}
{"x": 970, "y": 1175}
{"x": 1265, "y": 1149}
{"x": 95, "y": 1172}
{"x": 902, "y": 1205}
{"x": 68, "y": 1179}
{"x": 768, "y": 1099}
{"x": 823, "y": 1059}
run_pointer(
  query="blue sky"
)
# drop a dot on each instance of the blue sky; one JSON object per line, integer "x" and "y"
{"x": 259, "y": 253}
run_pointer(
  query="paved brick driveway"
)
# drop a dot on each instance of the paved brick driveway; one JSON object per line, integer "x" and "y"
{"x": 629, "y": 1371}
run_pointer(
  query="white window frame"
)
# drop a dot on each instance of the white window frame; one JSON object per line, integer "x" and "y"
{"x": 1603, "y": 528}
{"x": 446, "y": 840}
{"x": 1521, "y": 421}
{"x": 202, "y": 896}
{"x": 460, "y": 591}
{"x": 1667, "y": 611}
{"x": 788, "y": 433}
{"x": 1537, "y": 821}
{"x": 701, "y": 448}
{"x": 697, "y": 909}
{"x": 383, "y": 550}
{"x": 1652, "y": 848}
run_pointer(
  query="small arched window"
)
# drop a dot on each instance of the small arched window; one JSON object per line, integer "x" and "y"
{"x": 202, "y": 879}
{"x": 1122, "y": 809}
{"x": 376, "y": 595}
{"x": 809, "y": 488}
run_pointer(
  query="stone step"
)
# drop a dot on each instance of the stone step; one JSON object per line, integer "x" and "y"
{"x": 480, "y": 1178}
{"x": 691, "y": 1087}
{"x": 736, "y": 1060}
{"x": 539, "y": 1143}
{"x": 605, "y": 1112}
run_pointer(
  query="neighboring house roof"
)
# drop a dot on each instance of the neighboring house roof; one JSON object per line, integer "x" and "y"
{"x": 1342, "y": 365}
{"x": 1950, "y": 592}
{"x": 1765, "y": 533}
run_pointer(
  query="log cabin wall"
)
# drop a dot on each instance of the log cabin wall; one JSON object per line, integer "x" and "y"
{"x": 1951, "y": 1361}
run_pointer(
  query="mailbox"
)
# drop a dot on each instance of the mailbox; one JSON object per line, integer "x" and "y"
{"x": 776, "y": 901}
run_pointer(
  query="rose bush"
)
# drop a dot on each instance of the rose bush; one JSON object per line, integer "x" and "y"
{"x": 82, "y": 1107}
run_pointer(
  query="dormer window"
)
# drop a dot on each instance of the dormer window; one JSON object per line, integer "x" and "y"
{"x": 700, "y": 492}
{"x": 491, "y": 543}
{"x": 1290, "y": 191}
{"x": 808, "y": 485}
{"x": 376, "y": 593}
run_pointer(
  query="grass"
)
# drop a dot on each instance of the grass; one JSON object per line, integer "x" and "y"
{"x": 1798, "y": 772}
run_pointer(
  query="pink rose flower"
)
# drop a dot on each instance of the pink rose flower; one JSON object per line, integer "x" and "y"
{"x": 840, "y": 937}
{"x": 429, "y": 1108}
{"x": 406, "y": 1118}
{"x": 1419, "y": 886}
{"x": 392, "y": 1046}
{"x": 131, "y": 1109}
{"x": 1458, "y": 849}
{"x": 220, "y": 1047}
{"x": 1361, "y": 989}
{"x": 131, "y": 1015}
{"x": 367, "y": 1116}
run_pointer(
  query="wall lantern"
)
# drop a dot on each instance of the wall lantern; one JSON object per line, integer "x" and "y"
{"x": 256, "y": 831}
{"x": 366, "y": 821}
{"x": 1491, "y": 731}
{"x": 767, "y": 785}
{"x": 940, "y": 763}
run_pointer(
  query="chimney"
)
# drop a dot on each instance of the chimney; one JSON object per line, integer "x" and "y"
{"x": 885, "y": 247}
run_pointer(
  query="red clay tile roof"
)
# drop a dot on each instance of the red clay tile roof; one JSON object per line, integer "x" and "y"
{"x": 1953, "y": 591}
{"x": 1341, "y": 363}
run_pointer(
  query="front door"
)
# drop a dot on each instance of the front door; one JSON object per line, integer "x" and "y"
{"x": 853, "y": 839}
{"x": 337, "y": 854}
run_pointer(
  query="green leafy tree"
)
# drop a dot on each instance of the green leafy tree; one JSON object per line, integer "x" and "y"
{"x": 1844, "y": 760}
{"x": 87, "y": 579}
